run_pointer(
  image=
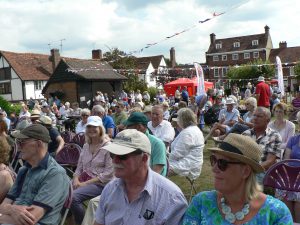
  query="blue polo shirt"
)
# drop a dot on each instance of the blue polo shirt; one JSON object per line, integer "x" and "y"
{"x": 46, "y": 186}
{"x": 108, "y": 122}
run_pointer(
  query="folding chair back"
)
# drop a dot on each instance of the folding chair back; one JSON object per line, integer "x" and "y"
{"x": 79, "y": 139}
{"x": 284, "y": 175}
{"x": 69, "y": 155}
{"x": 67, "y": 136}
{"x": 67, "y": 205}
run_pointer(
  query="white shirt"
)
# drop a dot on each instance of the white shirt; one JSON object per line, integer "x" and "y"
{"x": 80, "y": 127}
{"x": 186, "y": 157}
{"x": 163, "y": 131}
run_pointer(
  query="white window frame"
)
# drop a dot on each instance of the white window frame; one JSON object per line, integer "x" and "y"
{"x": 215, "y": 58}
{"x": 38, "y": 85}
{"x": 247, "y": 55}
{"x": 218, "y": 46}
{"x": 235, "y": 56}
{"x": 224, "y": 57}
{"x": 236, "y": 44}
{"x": 224, "y": 71}
{"x": 254, "y": 42}
{"x": 292, "y": 71}
{"x": 216, "y": 72}
{"x": 255, "y": 55}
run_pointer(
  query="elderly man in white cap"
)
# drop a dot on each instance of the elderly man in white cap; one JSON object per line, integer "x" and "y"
{"x": 227, "y": 118}
{"x": 262, "y": 93}
{"x": 138, "y": 195}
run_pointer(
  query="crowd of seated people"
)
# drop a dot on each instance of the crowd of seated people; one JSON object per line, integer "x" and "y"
{"x": 130, "y": 150}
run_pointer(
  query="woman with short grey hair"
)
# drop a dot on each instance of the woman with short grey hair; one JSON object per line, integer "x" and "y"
{"x": 80, "y": 127}
{"x": 186, "y": 157}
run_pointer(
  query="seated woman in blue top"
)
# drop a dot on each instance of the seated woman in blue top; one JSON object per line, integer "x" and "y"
{"x": 238, "y": 198}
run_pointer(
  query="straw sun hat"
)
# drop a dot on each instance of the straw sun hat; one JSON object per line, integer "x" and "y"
{"x": 241, "y": 148}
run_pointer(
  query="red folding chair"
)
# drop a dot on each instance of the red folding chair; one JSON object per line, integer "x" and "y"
{"x": 67, "y": 136}
{"x": 79, "y": 139}
{"x": 68, "y": 157}
{"x": 67, "y": 204}
{"x": 284, "y": 175}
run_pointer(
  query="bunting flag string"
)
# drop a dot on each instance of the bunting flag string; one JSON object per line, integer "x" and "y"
{"x": 214, "y": 15}
{"x": 165, "y": 70}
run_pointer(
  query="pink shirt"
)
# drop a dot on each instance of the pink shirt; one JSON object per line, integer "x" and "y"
{"x": 97, "y": 165}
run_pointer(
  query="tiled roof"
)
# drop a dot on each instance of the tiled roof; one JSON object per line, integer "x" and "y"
{"x": 245, "y": 43}
{"x": 287, "y": 55}
{"x": 29, "y": 66}
{"x": 143, "y": 62}
{"x": 93, "y": 69}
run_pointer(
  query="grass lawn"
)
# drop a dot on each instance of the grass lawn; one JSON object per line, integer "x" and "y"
{"x": 205, "y": 181}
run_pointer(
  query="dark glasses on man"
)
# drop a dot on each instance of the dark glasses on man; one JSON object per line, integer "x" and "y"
{"x": 125, "y": 157}
{"x": 221, "y": 163}
{"x": 84, "y": 115}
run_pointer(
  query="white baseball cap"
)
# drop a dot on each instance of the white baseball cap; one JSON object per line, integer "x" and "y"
{"x": 95, "y": 121}
{"x": 128, "y": 141}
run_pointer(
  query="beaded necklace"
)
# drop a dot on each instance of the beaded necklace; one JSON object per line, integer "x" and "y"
{"x": 229, "y": 216}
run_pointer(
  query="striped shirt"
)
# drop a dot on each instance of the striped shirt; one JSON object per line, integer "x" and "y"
{"x": 98, "y": 164}
{"x": 160, "y": 202}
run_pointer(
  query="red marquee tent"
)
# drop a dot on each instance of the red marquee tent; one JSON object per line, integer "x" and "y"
{"x": 171, "y": 87}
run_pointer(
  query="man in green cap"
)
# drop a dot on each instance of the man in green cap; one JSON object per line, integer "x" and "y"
{"x": 158, "y": 160}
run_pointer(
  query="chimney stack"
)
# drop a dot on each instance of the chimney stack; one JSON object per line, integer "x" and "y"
{"x": 212, "y": 38}
{"x": 54, "y": 58}
{"x": 283, "y": 44}
{"x": 267, "y": 31}
{"x": 96, "y": 54}
{"x": 172, "y": 57}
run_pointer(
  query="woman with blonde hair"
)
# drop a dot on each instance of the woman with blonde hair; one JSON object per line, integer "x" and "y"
{"x": 237, "y": 198}
{"x": 94, "y": 168}
{"x": 284, "y": 127}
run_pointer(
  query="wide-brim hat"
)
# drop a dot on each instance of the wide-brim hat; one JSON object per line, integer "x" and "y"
{"x": 35, "y": 114}
{"x": 45, "y": 120}
{"x": 243, "y": 149}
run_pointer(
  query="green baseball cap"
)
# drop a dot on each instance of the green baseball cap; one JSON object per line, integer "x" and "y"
{"x": 136, "y": 118}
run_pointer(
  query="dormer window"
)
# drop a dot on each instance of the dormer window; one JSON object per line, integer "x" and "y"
{"x": 254, "y": 42}
{"x": 236, "y": 44}
{"x": 218, "y": 46}
{"x": 215, "y": 58}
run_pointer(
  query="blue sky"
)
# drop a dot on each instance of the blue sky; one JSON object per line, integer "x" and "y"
{"x": 29, "y": 26}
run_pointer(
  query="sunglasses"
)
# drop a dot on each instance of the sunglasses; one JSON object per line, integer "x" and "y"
{"x": 84, "y": 115}
{"x": 221, "y": 163}
{"x": 125, "y": 157}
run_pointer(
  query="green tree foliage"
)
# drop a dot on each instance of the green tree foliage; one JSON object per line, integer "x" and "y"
{"x": 9, "y": 107}
{"x": 297, "y": 70}
{"x": 251, "y": 70}
{"x": 120, "y": 60}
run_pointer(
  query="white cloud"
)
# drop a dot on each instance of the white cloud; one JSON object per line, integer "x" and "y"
{"x": 28, "y": 26}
